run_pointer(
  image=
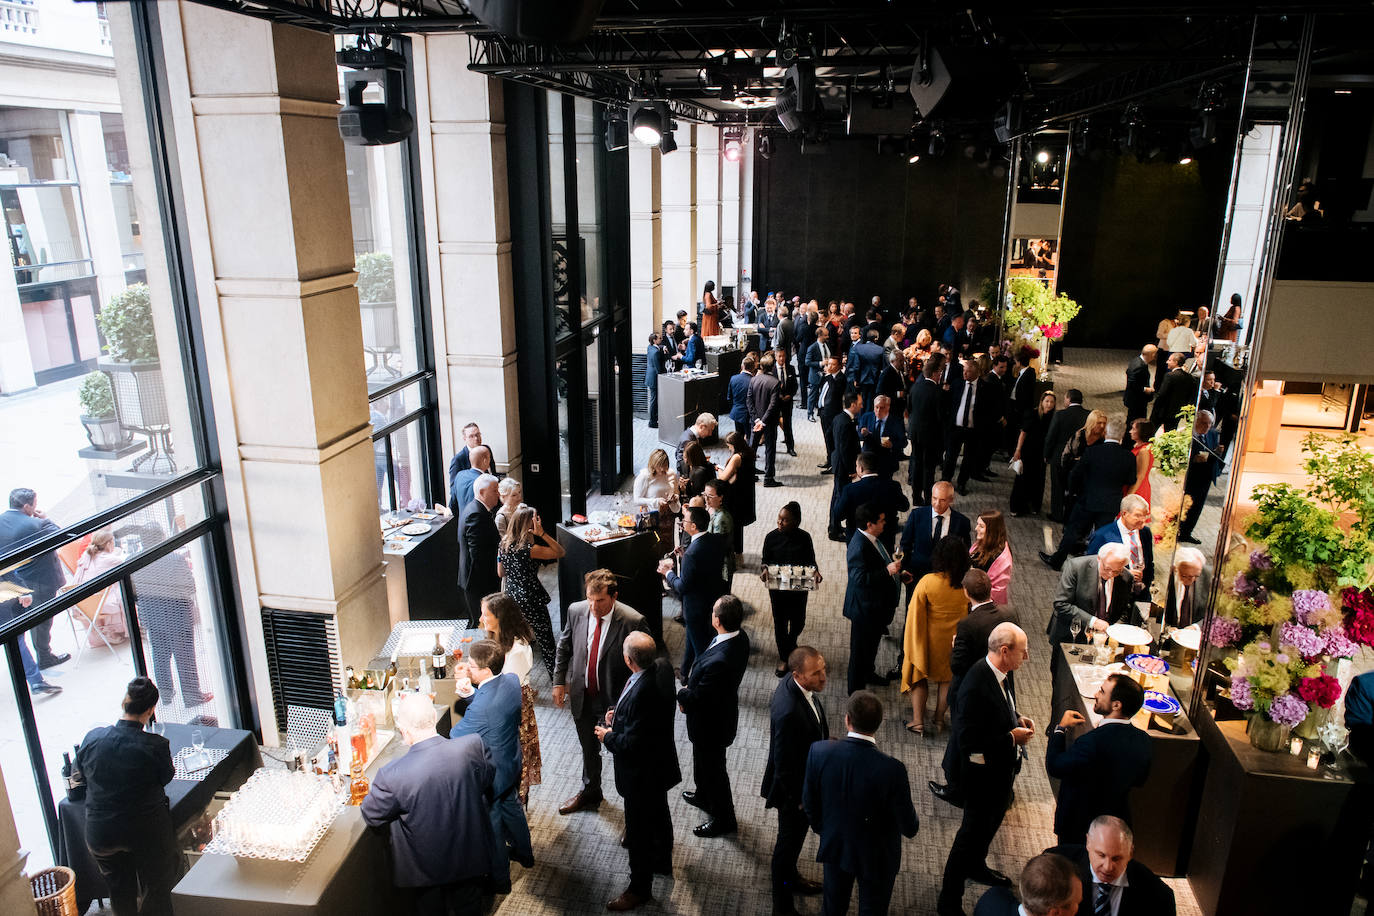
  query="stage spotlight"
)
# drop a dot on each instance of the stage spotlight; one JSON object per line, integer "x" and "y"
{"x": 913, "y": 150}
{"x": 617, "y": 134}
{"x": 668, "y": 143}
{"x": 648, "y": 125}
{"x": 1184, "y": 160}
{"x": 1043, "y": 157}
{"x": 766, "y": 146}
{"x": 732, "y": 150}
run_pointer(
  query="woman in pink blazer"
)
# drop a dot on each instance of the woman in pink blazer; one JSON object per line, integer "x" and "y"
{"x": 991, "y": 552}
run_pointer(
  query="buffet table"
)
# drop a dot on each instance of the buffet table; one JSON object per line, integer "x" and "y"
{"x": 1162, "y": 809}
{"x": 681, "y": 398}
{"x": 632, "y": 555}
{"x": 421, "y": 569}
{"x": 725, "y": 364}
{"x": 188, "y": 798}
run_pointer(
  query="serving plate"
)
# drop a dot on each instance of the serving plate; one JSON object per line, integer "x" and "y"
{"x": 1161, "y": 704}
{"x": 1188, "y": 637}
{"x": 1145, "y": 664}
{"x": 416, "y": 528}
{"x": 1127, "y": 635}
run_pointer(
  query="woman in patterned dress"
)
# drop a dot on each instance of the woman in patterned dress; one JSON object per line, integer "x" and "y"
{"x": 523, "y": 550}
{"x": 503, "y": 622}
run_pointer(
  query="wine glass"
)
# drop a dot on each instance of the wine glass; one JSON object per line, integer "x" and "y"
{"x": 1075, "y": 627}
{"x": 198, "y": 740}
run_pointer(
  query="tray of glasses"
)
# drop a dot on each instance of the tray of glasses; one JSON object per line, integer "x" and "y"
{"x": 276, "y": 814}
{"x": 786, "y": 578}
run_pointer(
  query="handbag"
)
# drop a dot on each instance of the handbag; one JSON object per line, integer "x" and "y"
{"x": 1017, "y": 466}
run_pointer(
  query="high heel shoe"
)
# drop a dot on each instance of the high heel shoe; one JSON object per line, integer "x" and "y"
{"x": 916, "y": 729}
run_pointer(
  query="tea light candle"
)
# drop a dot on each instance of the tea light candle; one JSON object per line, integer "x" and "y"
{"x": 1314, "y": 757}
{"x": 1295, "y": 747}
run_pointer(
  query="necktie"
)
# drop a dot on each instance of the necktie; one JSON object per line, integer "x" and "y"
{"x": 1100, "y": 607}
{"x": 1102, "y": 903}
{"x": 1185, "y": 607}
{"x": 939, "y": 531}
{"x": 816, "y": 708}
{"x": 1136, "y": 557}
{"x": 593, "y": 688}
{"x": 825, "y": 352}
{"x": 1011, "y": 697}
{"x": 964, "y": 405}
{"x": 782, "y": 374}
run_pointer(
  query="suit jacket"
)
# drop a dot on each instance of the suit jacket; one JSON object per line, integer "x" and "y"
{"x": 865, "y": 365}
{"x": 764, "y": 399}
{"x": 460, "y": 493}
{"x": 872, "y": 441}
{"x": 1138, "y": 375}
{"x": 806, "y": 335}
{"x": 1178, "y": 390}
{"x": 845, "y": 434}
{"x": 641, "y": 735}
{"x": 570, "y": 665}
{"x": 702, "y": 580}
{"x": 1144, "y": 895}
{"x": 478, "y": 541}
{"x": 767, "y": 325}
{"x": 917, "y": 545}
{"x": 984, "y": 723}
{"x": 830, "y": 399}
{"x": 1025, "y": 392}
{"x": 1101, "y": 476}
{"x": 1096, "y": 774}
{"x": 814, "y": 363}
{"x": 710, "y": 701}
{"x": 997, "y": 901}
{"x": 43, "y": 572}
{"x": 925, "y": 404}
{"x": 653, "y": 366}
{"x": 971, "y": 637}
{"x": 459, "y": 462}
{"x": 1110, "y": 533}
{"x": 739, "y": 396}
{"x": 1210, "y": 401}
{"x": 695, "y": 352}
{"x": 1201, "y": 588}
{"x": 858, "y": 800}
{"x": 688, "y": 435}
{"x": 438, "y": 789}
{"x": 785, "y": 336}
{"x": 996, "y": 398}
{"x": 883, "y": 492}
{"x": 1359, "y": 716}
{"x": 871, "y": 595}
{"x": 1065, "y": 423}
{"x": 1077, "y": 596}
{"x": 787, "y": 389}
{"x": 793, "y": 728}
{"x": 494, "y": 716}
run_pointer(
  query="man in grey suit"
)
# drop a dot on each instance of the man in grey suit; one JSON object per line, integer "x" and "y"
{"x": 1095, "y": 591}
{"x": 590, "y": 672}
{"x": 478, "y": 541}
{"x": 435, "y": 800}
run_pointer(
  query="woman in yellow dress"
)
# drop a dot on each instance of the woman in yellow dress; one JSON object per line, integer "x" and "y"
{"x": 937, "y": 606}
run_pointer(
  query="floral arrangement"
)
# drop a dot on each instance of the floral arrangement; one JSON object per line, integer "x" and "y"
{"x": 1034, "y": 311}
{"x": 1172, "y": 448}
{"x": 1358, "y": 605}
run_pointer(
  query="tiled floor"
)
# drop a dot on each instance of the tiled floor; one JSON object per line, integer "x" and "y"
{"x": 580, "y": 864}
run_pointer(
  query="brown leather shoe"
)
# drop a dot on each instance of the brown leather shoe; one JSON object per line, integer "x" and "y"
{"x": 582, "y": 801}
{"x": 627, "y": 901}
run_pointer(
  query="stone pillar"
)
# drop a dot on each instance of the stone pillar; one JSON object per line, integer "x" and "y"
{"x": 708, "y": 207}
{"x": 679, "y": 213}
{"x": 462, "y": 141}
{"x": 646, "y": 243}
{"x": 16, "y": 365}
{"x": 284, "y": 335}
{"x": 730, "y": 257}
{"x": 747, "y": 280}
{"x": 16, "y": 897}
{"x": 97, "y": 203}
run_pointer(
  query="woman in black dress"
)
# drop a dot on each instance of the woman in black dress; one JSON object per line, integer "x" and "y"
{"x": 700, "y": 470}
{"x": 788, "y": 544}
{"x": 741, "y": 475}
{"x": 523, "y": 550}
{"x": 1028, "y": 490}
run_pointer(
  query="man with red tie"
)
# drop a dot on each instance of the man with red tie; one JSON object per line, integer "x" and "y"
{"x": 1131, "y": 527}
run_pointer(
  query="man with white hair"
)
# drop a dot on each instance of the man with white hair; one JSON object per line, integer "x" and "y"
{"x": 703, "y": 428}
{"x": 1094, "y": 590}
{"x": 1114, "y": 884}
{"x": 478, "y": 540}
{"x": 435, "y": 799}
{"x": 992, "y": 736}
{"x": 1191, "y": 582}
{"x": 1132, "y": 528}
{"x": 1097, "y": 481}
{"x": 1204, "y": 467}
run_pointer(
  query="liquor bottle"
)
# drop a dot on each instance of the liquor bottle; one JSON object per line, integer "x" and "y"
{"x": 358, "y": 742}
{"x": 340, "y": 708}
{"x": 67, "y": 773}
{"x": 351, "y": 679}
{"x": 423, "y": 684}
{"x": 358, "y": 785}
{"x": 76, "y": 789}
{"x": 439, "y": 658}
{"x": 332, "y": 754}
{"x": 390, "y": 674}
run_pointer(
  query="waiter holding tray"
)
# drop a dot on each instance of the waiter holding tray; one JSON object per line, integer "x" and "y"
{"x": 128, "y": 819}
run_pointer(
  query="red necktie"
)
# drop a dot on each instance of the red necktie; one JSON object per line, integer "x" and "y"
{"x": 592, "y": 687}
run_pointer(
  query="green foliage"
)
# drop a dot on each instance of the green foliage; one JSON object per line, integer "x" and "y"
{"x": 127, "y": 323}
{"x": 376, "y": 277}
{"x": 987, "y": 292}
{"x": 1172, "y": 448}
{"x": 96, "y": 396}
{"x": 1035, "y": 311}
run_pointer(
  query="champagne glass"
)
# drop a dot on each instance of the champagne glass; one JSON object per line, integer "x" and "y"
{"x": 198, "y": 740}
{"x": 1075, "y": 627}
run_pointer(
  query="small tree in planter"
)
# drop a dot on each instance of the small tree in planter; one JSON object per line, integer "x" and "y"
{"x": 135, "y": 375}
{"x": 98, "y": 413}
{"x": 377, "y": 296}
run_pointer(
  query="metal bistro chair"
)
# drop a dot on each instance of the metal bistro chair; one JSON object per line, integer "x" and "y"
{"x": 88, "y": 611}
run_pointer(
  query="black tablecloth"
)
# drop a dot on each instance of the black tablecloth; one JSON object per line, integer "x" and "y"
{"x": 188, "y": 799}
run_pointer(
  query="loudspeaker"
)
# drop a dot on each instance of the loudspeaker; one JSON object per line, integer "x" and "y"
{"x": 785, "y": 106}
{"x": 866, "y": 118}
{"x": 801, "y": 78}
{"x": 1005, "y": 123}
{"x": 538, "y": 20}
{"x": 929, "y": 87}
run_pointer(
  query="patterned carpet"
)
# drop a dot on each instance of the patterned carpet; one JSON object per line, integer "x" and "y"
{"x": 580, "y": 864}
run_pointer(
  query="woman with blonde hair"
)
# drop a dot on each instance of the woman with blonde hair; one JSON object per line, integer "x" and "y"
{"x": 991, "y": 552}
{"x": 504, "y": 623}
{"x": 512, "y": 494}
{"x": 937, "y": 605}
{"x": 101, "y": 555}
{"x": 523, "y": 550}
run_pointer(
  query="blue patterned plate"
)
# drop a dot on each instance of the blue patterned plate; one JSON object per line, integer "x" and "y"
{"x": 1161, "y": 704}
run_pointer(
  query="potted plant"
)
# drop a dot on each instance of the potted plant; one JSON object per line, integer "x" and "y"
{"x": 140, "y": 399}
{"x": 377, "y": 296}
{"x": 1034, "y": 312}
{"x": 98, "y": 413}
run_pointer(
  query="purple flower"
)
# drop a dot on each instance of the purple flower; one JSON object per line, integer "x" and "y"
{"x": 1243, "y": 585}
{"x": 1281, "y": 658}
{"x": 1288, "y": 709}
{"x": 1338, "y": 644}
{"x": 1265, "y": 647}
{"x": 1308, "y": 602}
{"x": 1240, "y": 693}
{"x": 1261, "y": 560}
{"x": 1305, "y": 640}
{"x": 1223, "y": 632}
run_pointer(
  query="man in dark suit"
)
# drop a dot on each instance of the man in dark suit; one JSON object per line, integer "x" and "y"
{"x": 865, "y": 366}
{"x": 1097, "y": 481}
{"x": 460, "y": 494}
{"x": 472, "y": 437}
{"x": 1138, "y": 388}
{"x": 1113, "y": 882}
{"x": 1209, "y": 398}
{"x": 639, "y": 733}
{"x": 768, "y": 323}
{"x": 494, "y": 716}
{"x": 924, "y": 528}
{"x": 1178, "y": 390}
{"x": 968, "y": 426}
{"x": 1204, "y": 467}
{"x": 970, "y": 644}
{"x": 710, "y": 701}
{"x": 438, "y": 789}
{"x": 21, "y": 523}
{"x": 829, "y": 403}
{"x": 796, "y": 721}
{"x": 883, "y": 435}
{"x": 787, "y": 395}
{"x": 844, "y": 432}
{"x": 785, "y": 336}
{"x": 701, "y": 582}
{"x": 926, "y": 428}
{"x": 870, "y": 597}
{"x": 1185, "y": 598}
{"x": 703, "y": 428}
{"x": 996, "y": 412}
{"x": 806, "y": 337}
{"x": 815, "y": 358}
{"x": 765, "y": 407}
{"x": 893, "y": 382}
{"x": 1049, "y": 886}
{"x": 693, "y": 348}
{"x": 1131, "y": 527}
{"x": 1025, "y": 390}
{"x": 653, "y": 368}
{"x": 739, "y": 394}
{"x": 871, "y": 487}
{"x": 992, "y": 737}
{"x": 590, "y": 672}
{"x": 1068, "y": 420}
{"x": 1098, "y": 771}
{"x": 478, "y": 541}
{"x": 858, "y": 801}
{"x": 1095, "y": 591}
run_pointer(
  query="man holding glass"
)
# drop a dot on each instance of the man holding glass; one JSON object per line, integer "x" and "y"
{"x": 1094, "y": 592}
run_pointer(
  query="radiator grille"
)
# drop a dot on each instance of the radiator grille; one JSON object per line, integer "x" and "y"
{"x": 302, "y": 658}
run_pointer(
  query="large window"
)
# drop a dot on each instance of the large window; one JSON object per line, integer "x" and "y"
{"x": 116, "y": 535}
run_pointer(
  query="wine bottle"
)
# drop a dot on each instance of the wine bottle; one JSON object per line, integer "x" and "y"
{"x": 67, "y": 773}
{"x": 439, "y": 658}
{"x": 390, "y": 674}
{"x": 76, "y": 788}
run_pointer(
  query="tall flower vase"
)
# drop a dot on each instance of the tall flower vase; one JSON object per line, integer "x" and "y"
{"x": 1266, "y": 734}
{"x": 1308, "y": 727}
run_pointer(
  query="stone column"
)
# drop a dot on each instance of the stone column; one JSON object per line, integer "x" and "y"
{"x": 747, "y": 279}
{"x": 16, "y": 897}
{"x": 97, "y": 202}
{"x": 678, "y": 216}
{"x": 708, "y": 179}
{"x": 462, "y": 140}
{"x": 646, "y": 242}
{"x": 730, "y": 256}
{"x": 16, "y": 366}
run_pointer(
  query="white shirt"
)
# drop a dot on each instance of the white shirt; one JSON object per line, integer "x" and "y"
{"x": 520, "y": 659}
{"x": 935, "y": 520}
{"x": 1132, "y": 540}
{"x": 722, "y": 637}
{"x": 970, "y": 394}
{"x": 810, "y": 700}
{"x": 591, "y": 632}
{"x": 869, "y": 738}
{"x": 1117, "y": 886}
{"x": 1181, "y": 340}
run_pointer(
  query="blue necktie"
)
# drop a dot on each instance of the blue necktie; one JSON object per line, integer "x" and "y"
{"x": 1102, "y": 906}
